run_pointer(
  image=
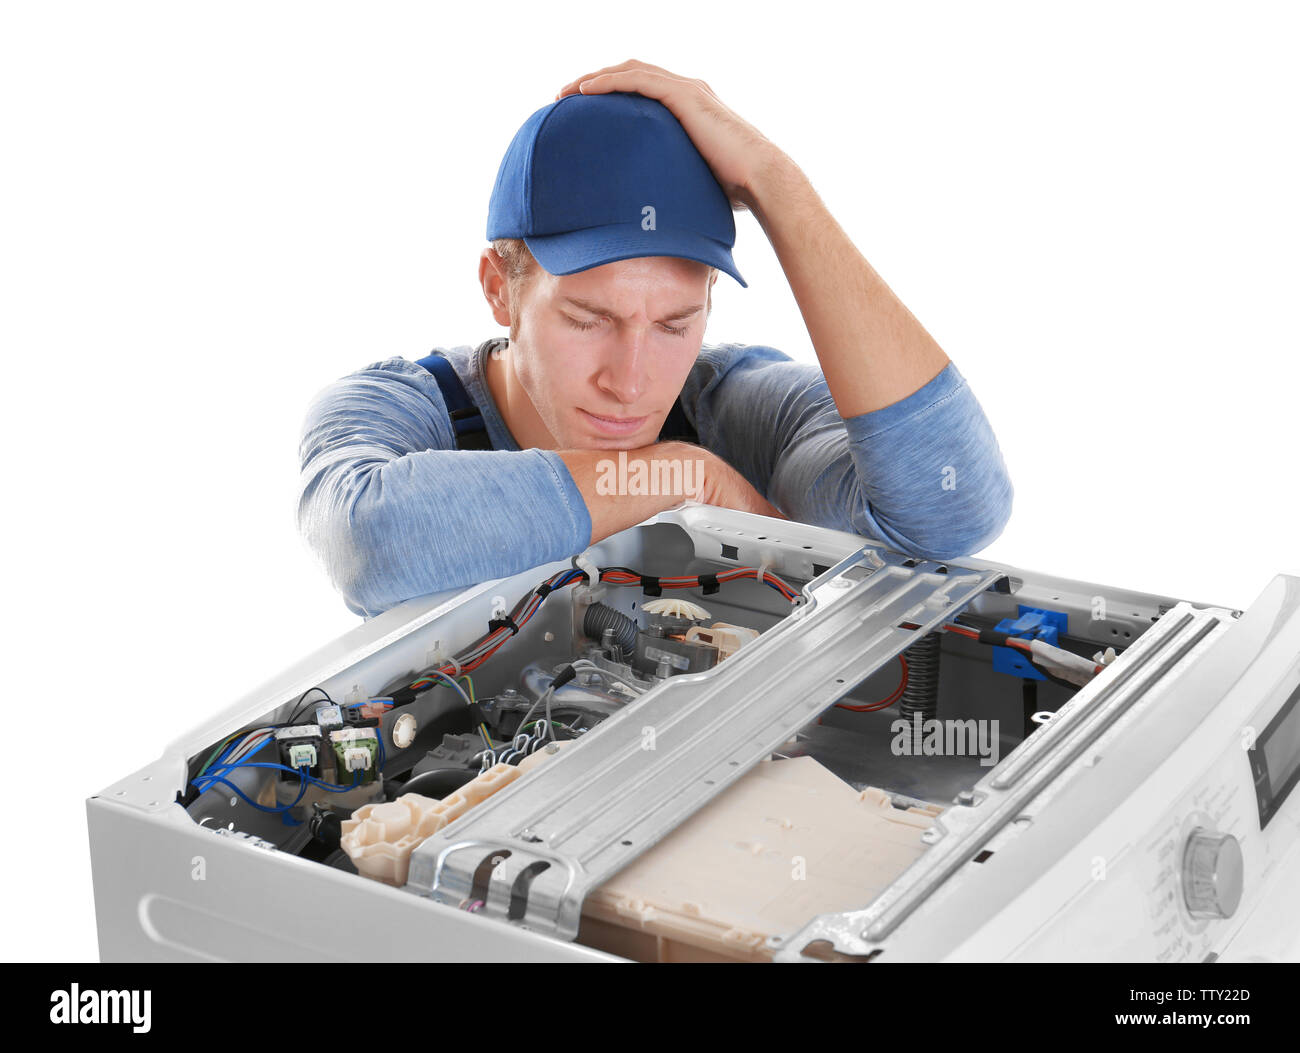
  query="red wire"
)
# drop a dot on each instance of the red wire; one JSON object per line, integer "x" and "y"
{"x": 886, "y": 702}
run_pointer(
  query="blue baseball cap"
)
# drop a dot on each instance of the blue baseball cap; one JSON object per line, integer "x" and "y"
{"x": 591, "y": 179}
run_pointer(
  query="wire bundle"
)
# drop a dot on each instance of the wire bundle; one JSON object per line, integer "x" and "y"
{"x": 483, "y": 649}
{"x": 504, "y": 628}
{"x": 237, "y": 751}
{"x": 237, "y": 755}
{"x": 623, "y": 576}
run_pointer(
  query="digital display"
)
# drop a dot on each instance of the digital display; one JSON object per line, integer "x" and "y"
{"x": 1275, "y": 760}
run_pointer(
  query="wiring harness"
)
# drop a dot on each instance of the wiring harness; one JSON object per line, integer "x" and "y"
{"x": 239, "y": 750}
{"x": 502, "y": 629}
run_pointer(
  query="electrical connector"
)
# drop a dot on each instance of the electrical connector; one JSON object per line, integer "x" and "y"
{"x": 300, "y": 747}
{"x": 302, "y": 755}
{"x": 1031, "y": 623}
{"x": 727, "y": 638}
{"x": 356, "y": 752}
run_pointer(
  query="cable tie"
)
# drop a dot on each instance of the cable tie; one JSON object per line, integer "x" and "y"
{"x": 507, "y": 621}
{"x": 589, "y": 569}
{"x": 710, "y": 583}
{"x": 650, "y": 585}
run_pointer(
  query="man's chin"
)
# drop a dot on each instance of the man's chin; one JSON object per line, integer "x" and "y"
{"x": 631, "y": 442}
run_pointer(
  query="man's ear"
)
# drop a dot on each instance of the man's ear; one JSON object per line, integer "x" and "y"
{"x": 496, "y": 287}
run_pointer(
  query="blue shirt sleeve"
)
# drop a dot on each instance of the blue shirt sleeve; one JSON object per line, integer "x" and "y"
{"x": 393, "y": 510}
{"x": 924, "y": 475}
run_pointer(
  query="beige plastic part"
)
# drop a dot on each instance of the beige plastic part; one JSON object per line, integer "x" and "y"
{"x": 675, "y": 607}
{"x": 787, "y": 842}
{"x": 379, "y": 838}
{"x": 727, "y": 638}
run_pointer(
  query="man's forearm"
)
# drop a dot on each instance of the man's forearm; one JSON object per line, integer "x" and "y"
{"x": 615, "y": 485}
{"x": 873, "y": 351}
{"x": 617, "y": 501}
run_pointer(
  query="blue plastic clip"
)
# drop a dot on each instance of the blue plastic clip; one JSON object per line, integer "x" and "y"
{"x": 1033, "y": 623}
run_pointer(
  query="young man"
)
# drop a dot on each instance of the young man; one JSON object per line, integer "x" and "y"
{"x": 610, "y": 217}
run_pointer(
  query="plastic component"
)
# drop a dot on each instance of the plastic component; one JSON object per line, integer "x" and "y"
{"x": 788, "y": 841}
{"x": 375, "y": 707}
{"x": 1032, "y": 623}
{"x": 404, "y": 729}
{"x": 302, "y": 755}
{"x": 727, "y": 638}
{"x": 675, "y": 607}
{"x": 379, "y": 838}
{"x": 1213, "y": 873}
{"x": 300, "y": 746}
{"x": 356, "y": 751}
{"x": 329, "y": 717}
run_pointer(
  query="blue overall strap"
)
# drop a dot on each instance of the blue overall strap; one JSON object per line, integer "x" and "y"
{"x": 677, "y": 427}
{"x": 466, "y": 420}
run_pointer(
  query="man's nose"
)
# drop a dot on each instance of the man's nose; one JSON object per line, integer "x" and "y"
{"x": 622, "y": 375}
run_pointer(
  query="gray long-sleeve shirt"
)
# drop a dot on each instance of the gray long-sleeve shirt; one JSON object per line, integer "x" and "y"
{"x": 394, "y": 510}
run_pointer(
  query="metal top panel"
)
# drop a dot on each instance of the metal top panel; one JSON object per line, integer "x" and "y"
{"x": 532, "y": 852}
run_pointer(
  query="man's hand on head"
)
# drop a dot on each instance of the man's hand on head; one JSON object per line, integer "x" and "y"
{"x": 734, "y": 149}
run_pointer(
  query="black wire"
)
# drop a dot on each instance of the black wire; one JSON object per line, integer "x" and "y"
{"x": 439, "y": 782}
{"x": 294, "y": 718}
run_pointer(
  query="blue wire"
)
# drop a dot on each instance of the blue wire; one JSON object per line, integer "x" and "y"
{"x": 279, "y": 810}
{"x": 211, "y": 776}
{"x": 335, "y": 787}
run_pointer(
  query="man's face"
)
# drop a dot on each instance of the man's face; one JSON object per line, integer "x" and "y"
{"x": 603, "y": 353}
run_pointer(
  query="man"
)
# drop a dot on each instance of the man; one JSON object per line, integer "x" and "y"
{"x": 610, "y": 217}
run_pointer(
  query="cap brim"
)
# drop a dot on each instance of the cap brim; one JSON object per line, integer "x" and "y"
{"x": 580, "y": 250}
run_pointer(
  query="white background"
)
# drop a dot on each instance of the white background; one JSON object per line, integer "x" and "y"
{"x": 211, "y": 211}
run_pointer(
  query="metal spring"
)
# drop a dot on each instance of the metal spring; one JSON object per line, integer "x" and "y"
{"x": 921, "y": 696}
